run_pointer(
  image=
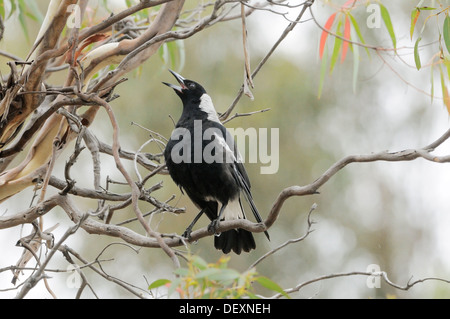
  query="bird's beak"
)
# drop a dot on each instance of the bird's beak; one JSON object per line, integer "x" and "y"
{"x": 180, "y": 80}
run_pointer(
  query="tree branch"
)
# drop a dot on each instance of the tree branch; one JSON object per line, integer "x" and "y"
{"x": 381, "y": 274}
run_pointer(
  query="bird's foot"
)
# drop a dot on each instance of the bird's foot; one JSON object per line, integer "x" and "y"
{"x": 187, "y": 233}
{"x": 212, "y": 228}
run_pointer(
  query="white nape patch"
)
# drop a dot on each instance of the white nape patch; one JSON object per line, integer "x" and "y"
{"x": 207, "y": 106}
{"x": 233, "y": 210}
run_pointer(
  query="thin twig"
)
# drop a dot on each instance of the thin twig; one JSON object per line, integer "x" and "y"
{"x": 38, "y": 275}
{"x": 381, "y": 274}
{"x": 290, "y": 241}
{"x": 286, "y": 31}
{"x": 135, "y": 190}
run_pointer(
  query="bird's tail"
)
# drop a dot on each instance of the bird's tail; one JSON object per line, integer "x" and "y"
{"x": 235, "y": 239}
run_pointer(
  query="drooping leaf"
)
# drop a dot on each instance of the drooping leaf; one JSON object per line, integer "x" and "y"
{"x": 446, "y": 99}
{"x": 358, "y": 32}
{"x": 271, "y": 285}
{"x": 416, "y": 54}
{"x": 23, "y": 24}
{"x": 447, "y": 65}
{"x": 347, "y": 37}
{"x": 13, "y": 8}
{"x": 336, "y": 48}
{"x": 173, "y": 54}
{"x": 388, "y": 23}
{"x": 445, "y": 94}
{"x": 324, "y": 35}
{"x": 414, "y": 16}
{"x": 447, "y": 32}
{"x": 2, "y": 9}
{"x": 32, "y": 10}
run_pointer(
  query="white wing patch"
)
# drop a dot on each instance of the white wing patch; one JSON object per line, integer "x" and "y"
{"x": 207, "y": 106}
{"x": 230, "y": 158}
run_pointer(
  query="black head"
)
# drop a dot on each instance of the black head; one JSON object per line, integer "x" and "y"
{"x": 188, "y": 90}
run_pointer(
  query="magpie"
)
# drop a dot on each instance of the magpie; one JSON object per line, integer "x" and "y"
{"x": 203, "y": 161}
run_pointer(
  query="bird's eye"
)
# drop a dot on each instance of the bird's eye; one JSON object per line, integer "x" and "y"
{"x": 191, "y": 86}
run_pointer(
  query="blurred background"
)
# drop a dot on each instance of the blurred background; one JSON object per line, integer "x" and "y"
{"x": 391, "y": 214}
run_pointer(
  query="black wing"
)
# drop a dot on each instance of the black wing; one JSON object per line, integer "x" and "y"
{"x": 240, "y": 175}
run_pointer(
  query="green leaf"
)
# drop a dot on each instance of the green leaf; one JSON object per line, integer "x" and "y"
{"x": 173, "y": 54}
{"x": 414, "y": 16}
{"x": 337, "y": 47}
{"x": 105, "y": 5}
{"x": 23, "y": 23}
{"x": 388, "y": 23}
{"x": 225, "y": 275}
{"x": 33, "y": 11}
{"x": 28, "y": 9}
{"x": 447, "y": 65}
{"x": 447, "y": 33}
{"x": 199, "y": 262}
{"x": 445, "y": 94}
{"x": 2, "y": 9}
{"x": 416, "y": 54}
{"x": 252, "y": 295}
{"x": 181, "y": 272}
{"x": 13, "y": 8}
{"x": 158, "y": 283}
{"x": 207, "y": 273}
{"x": 358, "y": 32}
{"x": 271, "y": 285}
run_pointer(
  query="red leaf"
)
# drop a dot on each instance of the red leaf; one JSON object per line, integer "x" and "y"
{"x": 323, "y": 37}
{"x": 347, "y": 37}
{"x": 92, "y": 39}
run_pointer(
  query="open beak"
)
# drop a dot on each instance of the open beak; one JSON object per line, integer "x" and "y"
{"x": 180, "y": 80}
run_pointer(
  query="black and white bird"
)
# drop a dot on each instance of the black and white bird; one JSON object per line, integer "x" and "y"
{"x": 203, "y": 161}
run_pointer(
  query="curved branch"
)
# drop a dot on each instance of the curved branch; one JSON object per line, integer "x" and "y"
{"x": 124, "y": 49}
{"x": 405, "y": 155}
{"x": 381, "y": 274}
{"x": 94, "y": 227}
